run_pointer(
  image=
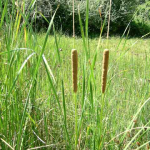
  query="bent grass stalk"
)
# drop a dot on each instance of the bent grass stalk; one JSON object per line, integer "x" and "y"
{"x": 74, "y": 78}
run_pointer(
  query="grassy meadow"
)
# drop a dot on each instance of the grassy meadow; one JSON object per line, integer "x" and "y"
{"x": 40, "y": 113}
{"x": 38, "y": 108}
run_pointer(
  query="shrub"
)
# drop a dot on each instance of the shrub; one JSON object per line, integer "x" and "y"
{"x": 141, "y": 23}
{"x": 121, "y": 14}
{"x": 63, "y": 19}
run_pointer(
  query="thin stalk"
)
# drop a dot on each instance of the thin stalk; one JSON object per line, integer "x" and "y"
{"x": 101, "y": 120}
{"x": 83, "y": 36}
{"x": 109, "y": 22}
{"x": 73, "y": 26}
{"x": 65, "y": 115}
{"x": 86, "y": 26}
{"x": 76, "y": 122}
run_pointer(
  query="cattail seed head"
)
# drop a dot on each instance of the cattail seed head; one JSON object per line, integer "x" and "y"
{"x": 74, "y": 69}
{"x": 105, "y": 69}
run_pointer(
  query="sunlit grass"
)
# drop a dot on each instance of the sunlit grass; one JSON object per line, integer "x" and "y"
{"x": 128, "y": 88}
{"x": 37, "y": 108}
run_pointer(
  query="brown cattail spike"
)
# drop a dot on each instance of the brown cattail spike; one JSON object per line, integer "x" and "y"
{"x": 74, "y": 69}
{"x": 105, "y": 69}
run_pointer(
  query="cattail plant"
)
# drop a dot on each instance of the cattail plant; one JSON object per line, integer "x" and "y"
{"x": 105, "y": 69}
{"x": 74, "y": 78}
{"x": 74, "y": 69}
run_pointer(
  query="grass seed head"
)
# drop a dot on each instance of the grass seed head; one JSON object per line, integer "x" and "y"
{"x": 105, "y": 69}
{"x": 74, "y": 69}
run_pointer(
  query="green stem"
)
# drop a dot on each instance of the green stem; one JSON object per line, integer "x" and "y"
{"x": 76, "y": 122}
{"x": 101, "y": 120}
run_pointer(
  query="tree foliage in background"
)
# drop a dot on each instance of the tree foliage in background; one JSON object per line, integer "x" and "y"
{"x": 63, "y": 18}
{"x": 121, "y": 14}
{"x": 141, "y": 23}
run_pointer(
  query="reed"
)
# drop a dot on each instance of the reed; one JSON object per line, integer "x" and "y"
{"x": 74, "y": 78}
{"x": 73, "y": 23}
{"x": 109, "y": 19}
{"x": 105, "y": 69}
{"x": 74, "y": 69}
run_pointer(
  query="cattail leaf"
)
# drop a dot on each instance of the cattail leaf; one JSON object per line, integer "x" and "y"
{"x": 56, "y": 42}
{"x": 82, "y": 33}
{"x": 3, "y": 13}
{"x": 65, "y": 114}
{"x": 49, "y": 69}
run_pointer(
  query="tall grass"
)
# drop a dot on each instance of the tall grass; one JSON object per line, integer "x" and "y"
{"x": 37, "y": 109}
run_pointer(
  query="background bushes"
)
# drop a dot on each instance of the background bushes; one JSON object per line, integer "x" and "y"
{"x": 121, "y": 14}
{"x": 141, "y": 22}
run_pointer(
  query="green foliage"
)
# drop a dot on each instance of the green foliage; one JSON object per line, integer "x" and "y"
{"x": 63, "y": 19}
{"x": 121, "y": 14}
{"x": 37, "y": 110}
{"x": 141, "y": 23}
